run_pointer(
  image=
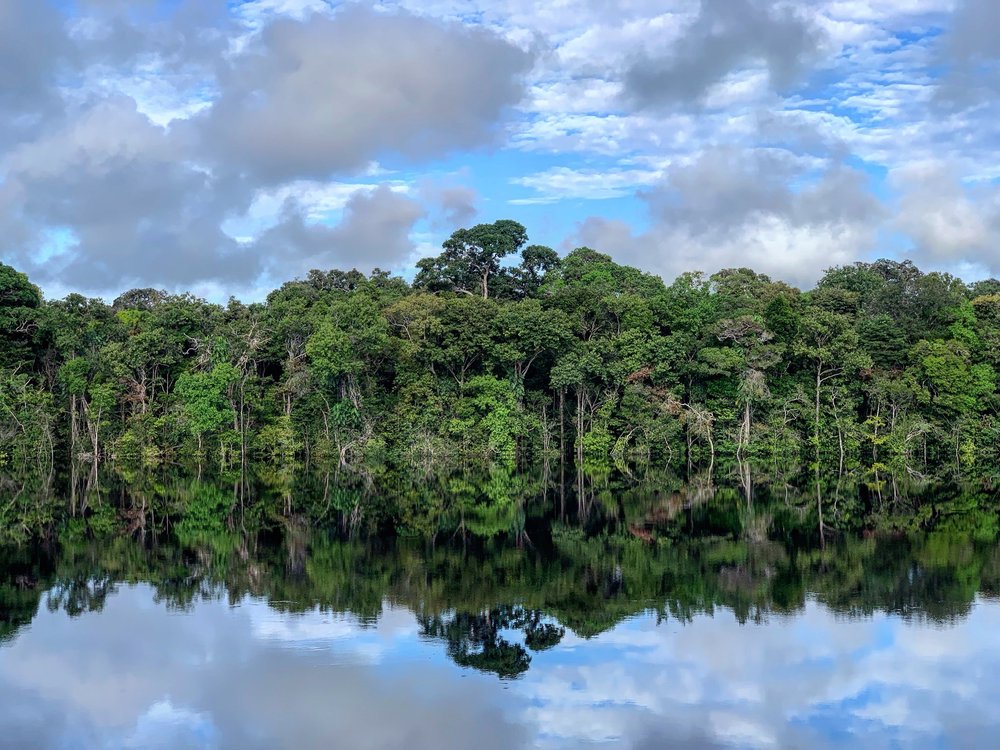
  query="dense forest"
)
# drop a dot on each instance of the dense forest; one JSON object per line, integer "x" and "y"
{"x": 505, "y": 352}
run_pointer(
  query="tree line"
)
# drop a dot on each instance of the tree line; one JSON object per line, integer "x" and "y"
{"x": 505, "y": 352}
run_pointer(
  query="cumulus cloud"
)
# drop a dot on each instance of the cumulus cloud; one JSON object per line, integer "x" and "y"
{"x": 374, "y": 233}
{"x": 182, "y": 34}
{"x": 128, "y": 204}
{"x": 971, "y": 52}
{"x": 726, "y": 36}
{"x": 102, "y": 189}
{"x": 149, "y": 142}
{"x": 742, "y": 208}
{"x": 453, "y": 204}
{"x": 949, "y": 223}
{"x": 34, "y": 48}
{"x": 326, "y": 95}
{"x": 458, "y": 205}
{"x": 973, "y": 34}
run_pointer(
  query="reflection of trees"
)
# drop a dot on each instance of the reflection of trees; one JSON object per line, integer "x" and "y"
{"x": 908, "y": 576}
{"x": 478, "y": 640}
{"x": 18, "y": 606}
{"x": 21, "y": 569}
{"x": 495, "y": 573}
{"x": 80, "y": 595}
{"x": 474, "y": 640}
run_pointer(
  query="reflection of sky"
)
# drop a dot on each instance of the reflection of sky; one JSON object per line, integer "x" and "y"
{"x": 137, "y": 675}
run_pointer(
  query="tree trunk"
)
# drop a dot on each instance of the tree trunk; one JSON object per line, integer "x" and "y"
{"x": 840, "y": 431}
{"x": 94, "y": 437}
{"x": 744, "y": 430}
{"x": 819, "y": 385}
{"x": 711, "y": 451}
{"x": 878, "y": 416}
{"x": 74, "y": 429}
{"x": 562, "y": 424}
{"x": 819, "y": 511}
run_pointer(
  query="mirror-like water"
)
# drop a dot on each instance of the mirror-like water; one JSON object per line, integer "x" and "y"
{"x": 627, "y": 618}
{"x": 236, "y": 676}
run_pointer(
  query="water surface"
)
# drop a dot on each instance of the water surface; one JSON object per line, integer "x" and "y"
{"x": 563, "y": 631}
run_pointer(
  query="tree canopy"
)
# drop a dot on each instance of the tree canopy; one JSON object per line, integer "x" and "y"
{"x": 502, "y": 351}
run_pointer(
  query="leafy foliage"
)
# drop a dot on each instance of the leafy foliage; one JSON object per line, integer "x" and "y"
{"x": 493, "y": 357}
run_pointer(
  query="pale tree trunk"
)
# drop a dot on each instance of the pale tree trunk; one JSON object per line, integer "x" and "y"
{"x": 744, "y": 438}
{"x": 840, "y": 431}
{"x": 819, "y": 386}
{"x": 74, "y": 429}
{"x": 562, "y": 423}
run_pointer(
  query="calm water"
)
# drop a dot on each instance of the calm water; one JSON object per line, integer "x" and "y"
{"x": 563, "y": 631}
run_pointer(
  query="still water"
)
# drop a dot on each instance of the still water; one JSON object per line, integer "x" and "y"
{"x": 562, "y": 632}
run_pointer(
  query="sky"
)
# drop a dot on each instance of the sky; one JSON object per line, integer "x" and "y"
{"x": 226, "y": 147}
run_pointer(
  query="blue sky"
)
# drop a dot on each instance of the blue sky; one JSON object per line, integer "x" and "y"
{"x": 224, "y": 147}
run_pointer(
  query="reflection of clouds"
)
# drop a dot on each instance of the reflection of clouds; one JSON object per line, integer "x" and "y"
{"x": 345, "y": 634}
{"x": 166, "y": 726}
{"x": 212, "y": 678}
{"x": 893, "y": 712}
{"x": 108, "y": 665}
{"x": 135, "y": 675}
{"x": 732, "y": 728}
{"x": 813, "y": 680}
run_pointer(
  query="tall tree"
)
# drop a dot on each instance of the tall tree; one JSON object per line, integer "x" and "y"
{"x": 471, "y": 258}
{"x": 19, "y": 298}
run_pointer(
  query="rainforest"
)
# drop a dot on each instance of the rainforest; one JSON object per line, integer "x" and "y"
{"x": 517, "y": 490}
{"x": 502, "y": 352}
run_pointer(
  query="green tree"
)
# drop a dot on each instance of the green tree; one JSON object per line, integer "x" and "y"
{"x": 19, "y": 299}
{"x": 829, "y": 346}
{"x": 471, "y": 258}
{"x": 204, "y": 399}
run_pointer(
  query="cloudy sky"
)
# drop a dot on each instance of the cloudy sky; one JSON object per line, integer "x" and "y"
{"x": 223, "y": 147}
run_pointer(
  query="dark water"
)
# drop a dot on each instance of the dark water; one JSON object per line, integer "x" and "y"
{"x": 636, "y": 622}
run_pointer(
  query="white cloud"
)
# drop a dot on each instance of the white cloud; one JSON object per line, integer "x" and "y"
{"x": 240, "y": 108}
{"x": 732, "y": 208}
{"x": 948, "y": 222}
{"x": 562, "y": 183}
